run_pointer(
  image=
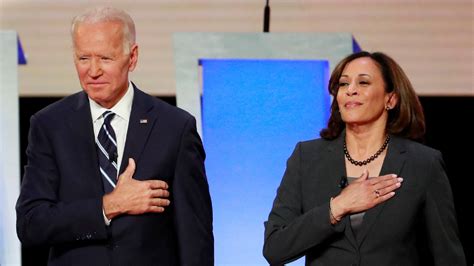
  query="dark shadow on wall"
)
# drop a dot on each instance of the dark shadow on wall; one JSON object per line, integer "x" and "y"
{"x": 448, "y": 120}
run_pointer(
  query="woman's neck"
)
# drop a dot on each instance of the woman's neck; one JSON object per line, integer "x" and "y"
{"x": 362, "y": 141}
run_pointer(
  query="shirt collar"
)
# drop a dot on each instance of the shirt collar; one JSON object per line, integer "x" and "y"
{"x": 123, "y": 108}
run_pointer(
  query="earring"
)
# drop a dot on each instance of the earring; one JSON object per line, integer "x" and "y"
{"x": 387, "y": 108}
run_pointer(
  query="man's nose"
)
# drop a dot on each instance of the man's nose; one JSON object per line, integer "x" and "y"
{"x": 95, "y": 69}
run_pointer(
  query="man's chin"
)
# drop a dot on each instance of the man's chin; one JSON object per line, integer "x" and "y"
{"x": 99, "y": 99}
{"x": 96, "y": 87}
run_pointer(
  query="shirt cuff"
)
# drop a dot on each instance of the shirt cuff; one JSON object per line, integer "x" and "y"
{"x": 106, "y": 220}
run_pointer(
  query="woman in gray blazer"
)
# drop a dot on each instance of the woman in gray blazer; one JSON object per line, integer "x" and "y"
{"x": 366, "y": 193}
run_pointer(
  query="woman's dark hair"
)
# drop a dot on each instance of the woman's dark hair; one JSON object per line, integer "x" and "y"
{"x": 406, "y": 119}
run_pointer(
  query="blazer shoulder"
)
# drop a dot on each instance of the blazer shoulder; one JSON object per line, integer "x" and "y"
{"x": 423, "y": 160}
{"x": 316, "y": 144}
{"x": 316, "y": 147}
{"x": 319, "y": 142}
{"x": 416, "y": 149}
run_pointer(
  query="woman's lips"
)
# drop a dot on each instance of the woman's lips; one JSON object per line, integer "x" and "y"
{"x": 352, "y": 104}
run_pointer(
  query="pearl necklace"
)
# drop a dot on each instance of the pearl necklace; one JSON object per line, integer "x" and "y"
{"x": 370, "y": 159}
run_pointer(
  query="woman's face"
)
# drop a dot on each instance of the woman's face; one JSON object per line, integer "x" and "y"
{"x": 361, "y": 96}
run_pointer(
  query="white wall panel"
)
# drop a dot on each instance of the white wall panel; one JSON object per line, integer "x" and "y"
{"x": 9, "y": 149}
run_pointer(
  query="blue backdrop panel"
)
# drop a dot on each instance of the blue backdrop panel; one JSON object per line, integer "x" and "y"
{"x": 253, "y": 113}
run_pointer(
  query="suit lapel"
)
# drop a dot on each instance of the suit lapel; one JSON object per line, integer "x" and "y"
{"x": 142, "y": 120}
{"x": 82, "y": 136}
{"x": 393, "y": 164}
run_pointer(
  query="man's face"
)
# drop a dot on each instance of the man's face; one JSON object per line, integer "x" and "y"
{"x": 101, "y": 62}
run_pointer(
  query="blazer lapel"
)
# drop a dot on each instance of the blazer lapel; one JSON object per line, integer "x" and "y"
{"x": 393, "y": 164}
{"x": 142, "y": 120}
{"x": 336, "y": 158}
{"x": 82, "y": 135}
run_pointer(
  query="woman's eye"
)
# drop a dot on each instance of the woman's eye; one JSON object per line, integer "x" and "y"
{"x": 342, "y": 84}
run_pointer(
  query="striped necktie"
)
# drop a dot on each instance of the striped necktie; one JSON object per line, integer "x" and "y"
{"x": 107, "y": 152}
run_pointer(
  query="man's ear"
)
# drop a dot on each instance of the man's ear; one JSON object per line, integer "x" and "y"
{"x": 133, "y": 57}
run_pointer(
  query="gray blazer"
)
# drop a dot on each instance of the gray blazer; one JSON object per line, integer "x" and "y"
{"x": 421, "y": 214}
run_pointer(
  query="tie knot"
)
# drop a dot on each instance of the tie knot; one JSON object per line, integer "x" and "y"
{"x": 108, "y": 116}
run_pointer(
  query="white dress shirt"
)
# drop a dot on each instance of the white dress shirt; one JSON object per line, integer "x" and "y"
{"x": 119, "y": 123}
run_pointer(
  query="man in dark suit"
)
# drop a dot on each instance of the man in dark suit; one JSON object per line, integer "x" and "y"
{"x": 114, "y": 176}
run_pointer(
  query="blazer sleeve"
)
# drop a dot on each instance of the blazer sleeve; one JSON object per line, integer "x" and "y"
{"x": 42, "y": 218}
{"x": 193, "y": 208}
{"x": 290, "y": 232}
{"x": 440, "y": 218}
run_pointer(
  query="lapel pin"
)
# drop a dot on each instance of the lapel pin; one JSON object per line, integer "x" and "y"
{"x": 143, "y": 121}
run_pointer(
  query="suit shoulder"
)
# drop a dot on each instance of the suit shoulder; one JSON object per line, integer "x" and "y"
{"x": 171, "y": 111}
{"x": 61, "y": 107}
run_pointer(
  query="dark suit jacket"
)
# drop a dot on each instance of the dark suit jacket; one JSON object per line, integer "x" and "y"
{"x": 421, "y": 214}
{"x": 60, "y": 202}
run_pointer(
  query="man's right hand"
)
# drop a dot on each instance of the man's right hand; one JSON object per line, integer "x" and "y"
{"x": 132, "y": 196}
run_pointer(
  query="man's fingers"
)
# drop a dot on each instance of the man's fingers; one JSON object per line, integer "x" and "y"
{"x": 160, "y": 202}
{"x": 158, "y": 205}
{"x": 160, "y": 193}
{"x": 156, "y": 209}
{"x": 157, "y": 184}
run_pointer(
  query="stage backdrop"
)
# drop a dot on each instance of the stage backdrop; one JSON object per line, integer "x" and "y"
{"x": 253, "y": 114}
{"x": 190, "y": 47}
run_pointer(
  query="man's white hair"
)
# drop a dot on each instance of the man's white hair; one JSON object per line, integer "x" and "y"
{"x": 108, "y": 14}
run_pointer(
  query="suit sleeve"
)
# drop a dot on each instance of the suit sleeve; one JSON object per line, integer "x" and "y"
{"x": 193, "y": 208}
{"x": 440, "y": 218}
{"x": 290, "y": 232}
{"x": 42, "y": 218}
